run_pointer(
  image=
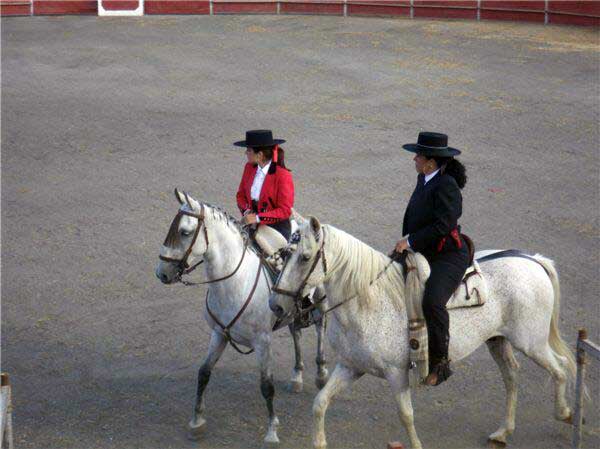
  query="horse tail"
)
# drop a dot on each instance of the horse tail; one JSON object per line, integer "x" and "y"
{"x": 558, "y": 345}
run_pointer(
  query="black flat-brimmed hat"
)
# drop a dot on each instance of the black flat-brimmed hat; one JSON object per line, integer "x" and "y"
{"x": 432, "y": 145}
{"x": 259, "y": 138}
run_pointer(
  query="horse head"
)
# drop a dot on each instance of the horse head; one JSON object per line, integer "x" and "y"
{"x": 186, "y": 241}
{"x": 302, "y": 271}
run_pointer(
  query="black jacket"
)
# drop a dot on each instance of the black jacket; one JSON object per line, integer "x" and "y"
{"x": 432, "y": 212}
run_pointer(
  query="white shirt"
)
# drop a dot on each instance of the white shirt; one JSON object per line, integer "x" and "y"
{"x": 428, "y": 178}
{"x": 259, "y": 179}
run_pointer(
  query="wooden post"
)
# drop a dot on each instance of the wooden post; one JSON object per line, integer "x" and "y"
{"x": 578, "y": 422}
{"x": 6, "y": 435}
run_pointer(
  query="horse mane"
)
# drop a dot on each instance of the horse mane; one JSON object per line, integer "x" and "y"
{"x": 361, "y": 270}
{"x": 212, "y": 213}
{"x": 220, "y": 214}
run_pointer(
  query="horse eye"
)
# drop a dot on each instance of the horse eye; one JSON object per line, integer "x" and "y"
{"x": 305, "y": 258}
{"x": 185, "y": 233}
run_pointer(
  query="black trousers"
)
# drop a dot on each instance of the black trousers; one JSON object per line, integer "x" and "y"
{"x": 447, "y": 270}
{"x": 284, "y": 227}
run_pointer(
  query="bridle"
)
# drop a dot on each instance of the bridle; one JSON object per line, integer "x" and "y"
{"x": 183, "y": 266}
{"x": 297, "y": 295}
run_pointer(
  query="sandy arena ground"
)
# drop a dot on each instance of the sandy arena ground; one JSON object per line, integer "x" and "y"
{"x": 102, "y": 118}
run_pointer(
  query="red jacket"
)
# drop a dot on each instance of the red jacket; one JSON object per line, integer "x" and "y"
{"x": 276, "y": 196}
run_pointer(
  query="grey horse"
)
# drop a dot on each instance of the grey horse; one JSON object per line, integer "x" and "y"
{"x": 237, "y": 308}
{"x": 368, "y": 324}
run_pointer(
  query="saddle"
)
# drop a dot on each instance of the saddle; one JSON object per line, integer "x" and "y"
{"x": 472, "y": 291}
{"x": 269, "y": 240}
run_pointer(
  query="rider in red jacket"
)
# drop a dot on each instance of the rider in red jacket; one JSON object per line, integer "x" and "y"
{"x": 266, "y": 192}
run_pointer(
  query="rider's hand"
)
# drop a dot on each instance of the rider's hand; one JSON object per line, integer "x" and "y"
{"x": 401, "y": 245}
{"x": 249, "y": 219}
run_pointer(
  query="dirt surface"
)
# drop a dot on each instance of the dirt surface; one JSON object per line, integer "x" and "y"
{"x": 102, "y": 118}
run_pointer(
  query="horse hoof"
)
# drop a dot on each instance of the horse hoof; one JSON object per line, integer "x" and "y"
{"x": 196, "y": 428}
{"x": 494, "y": 443}
{"x": 568, "y": 419}
{"x": 271, "y": 441}
{"x": 295, "y": 387}
{"x": 320, "y": 382}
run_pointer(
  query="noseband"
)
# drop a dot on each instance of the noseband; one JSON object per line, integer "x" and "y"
{"x": 182, "y": 264}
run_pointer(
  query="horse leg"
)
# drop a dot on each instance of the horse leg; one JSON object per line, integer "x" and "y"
{"x": 545, "y": 357}
{"x": 295, "y": 385}
{"x": 322, "y": 373}
{"x": 341, "y": 378}
{"x": 263, "y": 355}
{"x": 215, "y": 349}
{"x": 398, "y": 380}
{"x": 502, "y": 353}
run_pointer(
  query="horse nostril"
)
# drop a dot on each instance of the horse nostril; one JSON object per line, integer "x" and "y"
{"x": 277, "y": 310}
{"x": 163, "y": 278}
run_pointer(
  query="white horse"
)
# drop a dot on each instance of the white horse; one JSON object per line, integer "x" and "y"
{"x": 369, "y": 328}
{"x": 237, "y": 307}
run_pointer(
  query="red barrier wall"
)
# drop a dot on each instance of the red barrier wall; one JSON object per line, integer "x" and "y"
{"x": 120, "y": 5}
{"x": 445, "y": 9}
{"x": 566, "y": 12}
{"x": 64, "y": 7}
{"x": 15, "y": 8}
{"x": 244, "y": 7}
{"x": 310, "y": 7}
{"x": 378, "y": 8}
{"x": 574, "y": 7}
{"x": 176, "y": 7}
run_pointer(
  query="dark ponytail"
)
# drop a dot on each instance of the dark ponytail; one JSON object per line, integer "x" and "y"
{"x": 268, "y": 152}
{"x": 454, "y": 168}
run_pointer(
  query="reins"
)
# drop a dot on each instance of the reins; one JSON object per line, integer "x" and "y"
{"x": 297, "y": 295}
{"x": 356, "y": 295}
{"x": 226, "y": 329}
{"x": 185, "y": 268}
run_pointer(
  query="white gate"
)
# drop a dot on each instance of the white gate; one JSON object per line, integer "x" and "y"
{"x": 120, "y": 7}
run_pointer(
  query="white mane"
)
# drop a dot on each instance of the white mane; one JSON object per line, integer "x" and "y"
{"x": 361, "y": 270}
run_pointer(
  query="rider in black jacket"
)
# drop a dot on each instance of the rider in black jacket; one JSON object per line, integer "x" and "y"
{"x": 431, "y": 228}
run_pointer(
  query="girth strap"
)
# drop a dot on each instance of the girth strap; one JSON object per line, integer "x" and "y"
{"x": 227, "y": 328}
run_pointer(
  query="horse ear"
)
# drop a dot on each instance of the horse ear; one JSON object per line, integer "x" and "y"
{"x": 315, "y": 226}
{"x": 187, "y": 199}
{"x": 194, "y": 205}
{"x": 179, "y": 196}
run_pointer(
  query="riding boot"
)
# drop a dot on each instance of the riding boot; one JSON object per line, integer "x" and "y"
{"x": 439, "y": 371}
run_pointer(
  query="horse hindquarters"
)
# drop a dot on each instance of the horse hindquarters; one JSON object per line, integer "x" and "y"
{"x": 502, "y": 353}
{"x": 532, "y": 312}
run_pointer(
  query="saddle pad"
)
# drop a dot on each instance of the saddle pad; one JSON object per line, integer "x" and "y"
{"x": 472, "y": 290}
{"x": 269, "y": 240}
